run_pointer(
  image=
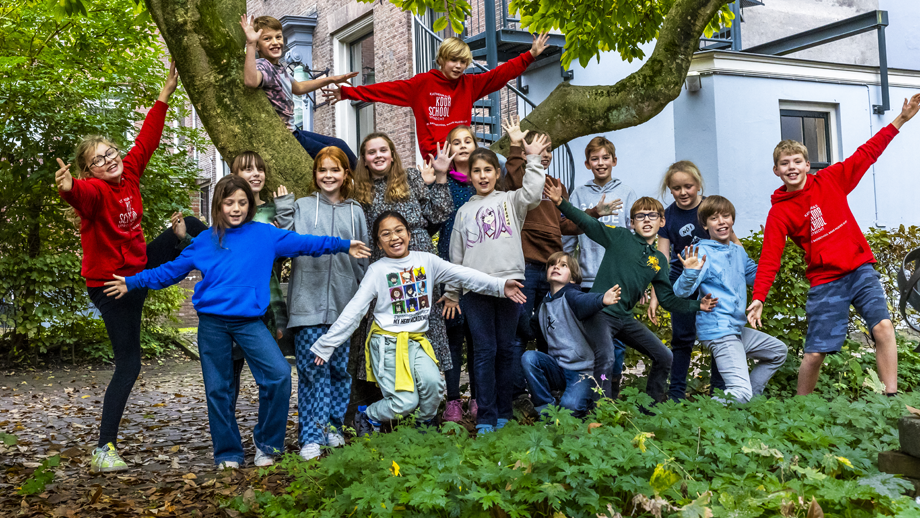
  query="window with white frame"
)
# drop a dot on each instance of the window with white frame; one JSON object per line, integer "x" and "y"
{"x": 814, "y": 125}
{"x": 354, "y": 52}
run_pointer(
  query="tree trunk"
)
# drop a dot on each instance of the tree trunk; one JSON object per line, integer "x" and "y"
{"x": 205, "y": 40}
{"x": 575, "y": 111}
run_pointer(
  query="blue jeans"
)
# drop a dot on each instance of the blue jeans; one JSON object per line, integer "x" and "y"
{"x": 544, "y": 375}
{"x": 683, "y": 336}
{"x": 270, "y": 370}
{"x": 535, "y": 288}
{"x": 491, "y": 321}
{"x": 313, "y": 143}
{"x": 607, "y": 361}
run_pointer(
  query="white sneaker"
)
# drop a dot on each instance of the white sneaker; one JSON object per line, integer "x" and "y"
{"x": 310, "y": 451}
{"x": 262, "y": 459}
{"x": 335, "y": 440}
{"x": 228, "y": 464}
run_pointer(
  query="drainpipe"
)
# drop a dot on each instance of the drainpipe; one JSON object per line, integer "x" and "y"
{"x": 876, "y": 223}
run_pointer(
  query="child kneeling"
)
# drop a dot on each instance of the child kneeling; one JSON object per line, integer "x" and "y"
{"x": 723, "y": 268}
{"x": 570, "y": 362}
{"x": 398, "y": 356}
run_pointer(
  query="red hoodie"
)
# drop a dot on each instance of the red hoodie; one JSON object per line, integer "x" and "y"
{"x": 818, "y": 219}
{"x": 439, "y": 105}
{"x": 110, "y": 215}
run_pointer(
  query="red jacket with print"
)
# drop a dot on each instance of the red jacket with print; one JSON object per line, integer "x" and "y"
{"x": 439, "y": 104}
{"x": 818, "y": 219}
{"x": 110, "y": 215}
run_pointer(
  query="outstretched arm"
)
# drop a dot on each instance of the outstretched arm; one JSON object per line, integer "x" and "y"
{"x": 348, "y": 321}
{"x": 310, "y": 85}
{"x": 252, "y": 77}
{"x": 397, "y": 93}
{"x": 908, "y": 110}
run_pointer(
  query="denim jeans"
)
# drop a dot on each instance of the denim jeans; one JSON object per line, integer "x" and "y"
{"x": 492, "y": 323}
{"x": 731, "y": 353}
{"x": 270, "y": 370}
{"x": 603, "y": 329}
{"x": 544, "y": 375}
{"x": 683, "y": 336}
{"x": 535, "y": 289}
{"x": 458, "y": 333}
{"x": 313, "y": 143}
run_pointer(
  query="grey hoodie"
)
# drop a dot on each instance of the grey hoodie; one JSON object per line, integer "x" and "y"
{"x": 562, "y": 317}
{"x": 320, "y": 287}
{"x": 585, "y": 197}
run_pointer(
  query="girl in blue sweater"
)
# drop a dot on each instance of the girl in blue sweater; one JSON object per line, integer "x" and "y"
{"x": 235, "y": 259}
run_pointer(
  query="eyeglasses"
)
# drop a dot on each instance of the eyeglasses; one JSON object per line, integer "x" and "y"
{"x": 651, "y": 216}
{"x": 100, "y": 160}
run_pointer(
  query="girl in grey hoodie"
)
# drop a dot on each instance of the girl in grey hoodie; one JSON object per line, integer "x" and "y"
{"x": 320, "y": 288}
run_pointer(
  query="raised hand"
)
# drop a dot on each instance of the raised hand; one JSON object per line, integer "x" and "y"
{"x": 252, "y": 35}
{"x": 358, "y": 249}
{"x": 451, "y": 307}
{"x": 62, "y": 177}
{"x": 539, "y": 44}
{"x": 611, "y": 208}
{"x": 553, "y": 191}
{"x": 428, "y": 173}
{"x": 512, "y": 126}
{"x": 754, "y": 312}
{"x": 332, "y": 94}
{"x": 441, "y": 162}
{"x": 612, "y": 296}
{"x": 172, "y": 81}
{"x": 282, "y": 191}
{"x": 910, "y": 108}
{"x": 707, "y": 303}
{"x": 536, "y": 146}
{"x": 693, "y": 260}
{"x": 513, "y": 291}
{"x": 178, "y": 225}
{"x": 116, "y": 288}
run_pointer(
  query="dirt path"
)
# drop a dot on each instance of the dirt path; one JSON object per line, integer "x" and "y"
{"x": 164, "y": 438}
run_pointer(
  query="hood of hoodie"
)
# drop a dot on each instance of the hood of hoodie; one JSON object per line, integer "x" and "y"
{"x": 607, "y": 187}
{"x": 782, "y": 194}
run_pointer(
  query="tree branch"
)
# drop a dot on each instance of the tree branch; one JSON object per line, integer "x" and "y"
{"x": 575, "y": 111}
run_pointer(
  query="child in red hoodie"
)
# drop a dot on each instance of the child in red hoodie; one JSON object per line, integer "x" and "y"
{"x": 813, "y": 211}
{"x": 441, "y": 99}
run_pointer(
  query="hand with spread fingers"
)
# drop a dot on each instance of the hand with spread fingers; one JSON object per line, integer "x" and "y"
{"x": 62, "y": 177}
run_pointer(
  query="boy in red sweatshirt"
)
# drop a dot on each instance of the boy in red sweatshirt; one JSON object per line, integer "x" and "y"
{"x": 441, "y": 99}
{"x": 813, "y": 211}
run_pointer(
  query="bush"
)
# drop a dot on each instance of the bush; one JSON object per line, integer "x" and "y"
{"x": 766, "y": 458}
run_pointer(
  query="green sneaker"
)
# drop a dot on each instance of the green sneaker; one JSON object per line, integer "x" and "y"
{"x": 106, "y": 459}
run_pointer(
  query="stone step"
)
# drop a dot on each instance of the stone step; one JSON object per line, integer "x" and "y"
{"x": 899, "y": 463}
{"x": 909, "y": 433}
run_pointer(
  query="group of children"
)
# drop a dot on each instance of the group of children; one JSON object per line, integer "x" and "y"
{"x": 505, "y": 269}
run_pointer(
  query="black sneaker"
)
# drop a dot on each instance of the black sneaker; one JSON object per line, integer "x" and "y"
{"x": 363, "y": 424}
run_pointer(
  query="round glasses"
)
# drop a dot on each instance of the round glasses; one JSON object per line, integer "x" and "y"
{"x": 651, "y": 216}
{"x": 100, "y": 160}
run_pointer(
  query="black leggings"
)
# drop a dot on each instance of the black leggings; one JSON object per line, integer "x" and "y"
{"x": 122, "y": 319}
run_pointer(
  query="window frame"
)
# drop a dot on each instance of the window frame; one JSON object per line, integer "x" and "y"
{"x": 346, "y": 115}
{"x": 828, "y": 112}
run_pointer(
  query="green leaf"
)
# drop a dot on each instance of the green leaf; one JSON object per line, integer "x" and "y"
{"x": 8, "y": 439}
{"x": 440, "y": 24}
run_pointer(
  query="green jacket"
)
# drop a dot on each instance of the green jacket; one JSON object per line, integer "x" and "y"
{"x": 630, "y": 262}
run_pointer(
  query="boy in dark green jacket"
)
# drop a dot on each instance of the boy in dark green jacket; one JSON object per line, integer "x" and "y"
{"x": 631, "y": 261}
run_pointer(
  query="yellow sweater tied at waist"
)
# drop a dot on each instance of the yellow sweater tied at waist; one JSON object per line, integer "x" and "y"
{"x": 404, "y": 381}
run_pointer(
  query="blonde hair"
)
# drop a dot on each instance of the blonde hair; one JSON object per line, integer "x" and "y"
{"x": 683, "y": 166}
{"x": 453, "y": 134}
{"x": 714, "y": 204}
{"x": 574, "y": 269}
{"x": 397, "y": 180}
{"x": 266, "y": 22}
{"x": 600, "y": 143}
{"x": 84, "y": 149}
{"x": 646, "y": 203}
{"x": 454, "y": 49}
{"x": 789, "y": 147}
{"x": 336, "y": 155}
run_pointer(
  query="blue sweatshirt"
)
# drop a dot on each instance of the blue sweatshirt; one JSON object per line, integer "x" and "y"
{"x": 727, "y": 273}
{"x": 235, "y": 274}
{"x": 562, "y": 318}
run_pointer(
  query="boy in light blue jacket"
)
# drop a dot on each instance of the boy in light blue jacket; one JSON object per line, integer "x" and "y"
{"x": 722, "y": 268}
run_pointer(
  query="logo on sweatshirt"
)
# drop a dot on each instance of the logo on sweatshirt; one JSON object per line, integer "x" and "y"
{"x": 653, "y": 263}
{"x": 491, "y": 223}
{"x": 817, "y": 219}
{"x": 409, "y": 300}
{"x": 441, "y": 107}
{"x": 687, "y": 230}
{"x": 127, "y": 218}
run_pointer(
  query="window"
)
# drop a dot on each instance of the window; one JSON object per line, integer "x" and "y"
{"x": 361, "y": 60}
{"x": 812, "y": 128}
